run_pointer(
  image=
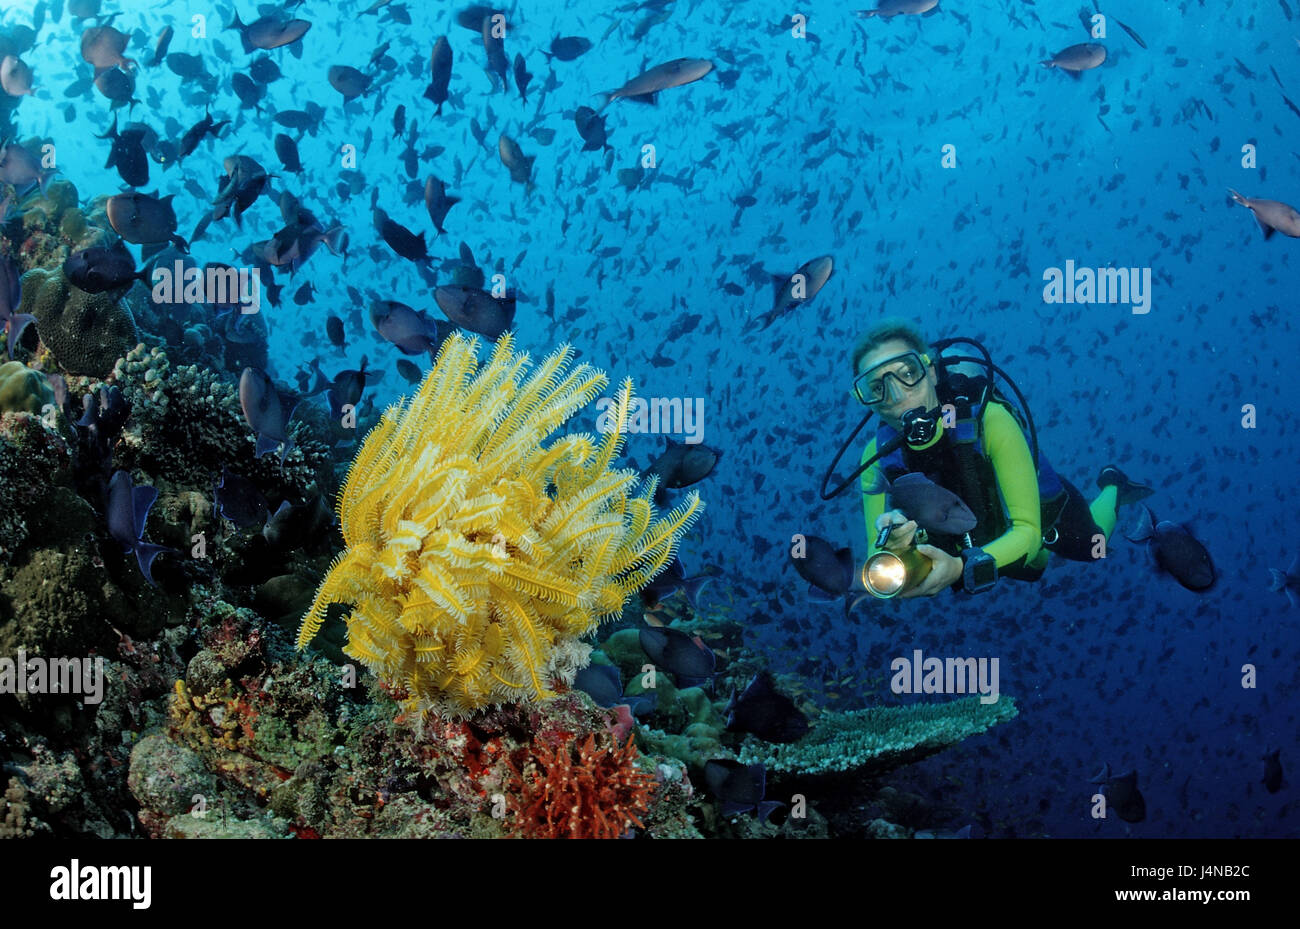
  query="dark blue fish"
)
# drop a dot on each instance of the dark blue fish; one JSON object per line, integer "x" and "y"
{"x": 344, "y": 389}
{"x": 128, "y": 510}
{"x": 1122, "y": 794}
{"x": 827, "y": 569}
{"x": 11, "y": 293}
{"x": 673, "y": 579}
{"x": 681, "y": 465}
{"x": 1273, "y": 770}
{"x": 293, "y": 526}
{"x": 266, "y": 412}
{"x": 1287, "y": 582}
{"x": 238, "y": 500}
{"x": 765, "y": 712}
{"x": 414, "y": 332}
{"x": 934, "y": 508}
{"x": 686, "y": 657}
{"x": 602, "y": 683}
{"x": 740, "y": 787}
{"x": 1175, "y": 550}
{"x": 105, "y": 412}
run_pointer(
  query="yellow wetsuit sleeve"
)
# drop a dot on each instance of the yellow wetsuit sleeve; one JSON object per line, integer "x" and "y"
{"x": 873, "y": 505}
{"x": 1013, "y": 464}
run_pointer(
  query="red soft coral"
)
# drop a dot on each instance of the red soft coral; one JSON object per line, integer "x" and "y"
{"x": 579, "y": 792}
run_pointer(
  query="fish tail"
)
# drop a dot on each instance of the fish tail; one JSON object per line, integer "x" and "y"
{"x": 1238, "y": 198}
{"x": 607, "y": 97}
{"x": 1048, "y": 63}
{"x": 691, "y": 587}
{"x": 1278, "y": 581}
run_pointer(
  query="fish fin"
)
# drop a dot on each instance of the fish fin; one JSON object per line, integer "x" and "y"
{"x": 855, "y": 601}
{"x": 1265, "y": 228}
{"x": 145, "y": 553}
{"x": 1075, "y": 74}
{"x": 1143, "y": 528}
{"x": 1294, "y": 567}
{"x": 691, "y": 588}
{"x": 1291, "y": 597}
{"x": 265, "y": 443}
{"x": 142, "y": 498}
{"x": 818, "y": 595}
{"x": 17, "y": 323}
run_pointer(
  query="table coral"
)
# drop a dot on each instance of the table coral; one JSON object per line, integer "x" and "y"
{"x": 879, "y": 739}
{"x": 476, "y": 557}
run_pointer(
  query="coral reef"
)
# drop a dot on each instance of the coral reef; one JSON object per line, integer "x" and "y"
{"x": 567, "y": 791}
{"x": 186, "y": 425}
{"x": 876, "y": 740}
{"x": 34, "y": 460}
{"x": 23, "y": 390}
{"x": 476, "y": 557}
{"x": 87, "y": 333}
{"x": 14, "y": 825}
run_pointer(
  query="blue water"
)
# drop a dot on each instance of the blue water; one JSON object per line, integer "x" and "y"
{"x": 1112, "y": 662}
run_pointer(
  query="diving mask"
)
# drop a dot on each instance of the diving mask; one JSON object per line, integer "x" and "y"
{"x": 871, "y": 387}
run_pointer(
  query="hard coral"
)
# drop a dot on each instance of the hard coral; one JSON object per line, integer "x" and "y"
{"x": 477, "y": 558}
{"x": 580, "y": 792}
{"x": 879, "y": 739}
{"x": 186, "y": 425}
{"x": 86, "y": 332}
{"x": 23, "y": 390}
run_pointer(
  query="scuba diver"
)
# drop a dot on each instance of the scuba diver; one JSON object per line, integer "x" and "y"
{"x": 960, "y": 432}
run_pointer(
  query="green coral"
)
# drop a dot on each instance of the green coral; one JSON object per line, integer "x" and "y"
{"x": 23, "y": 390}
{"x": 878, "y": 739}
{"x": 86, "y": 332}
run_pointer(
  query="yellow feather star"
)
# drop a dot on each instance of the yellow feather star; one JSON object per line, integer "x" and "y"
{"x": 477, "y": 557}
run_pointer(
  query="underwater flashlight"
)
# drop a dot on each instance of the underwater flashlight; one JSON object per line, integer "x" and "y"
{"x": 888, "y": 574}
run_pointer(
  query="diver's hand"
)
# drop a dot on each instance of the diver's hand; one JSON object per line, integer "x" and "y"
{"x": 944, "y": 573}
{"x": 904, "y": 530}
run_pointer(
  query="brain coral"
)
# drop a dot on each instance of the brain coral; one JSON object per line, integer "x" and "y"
{"x": 86, "y": 332}
{"x": 23, "y": 390}
{"x": 476, "y": 557}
